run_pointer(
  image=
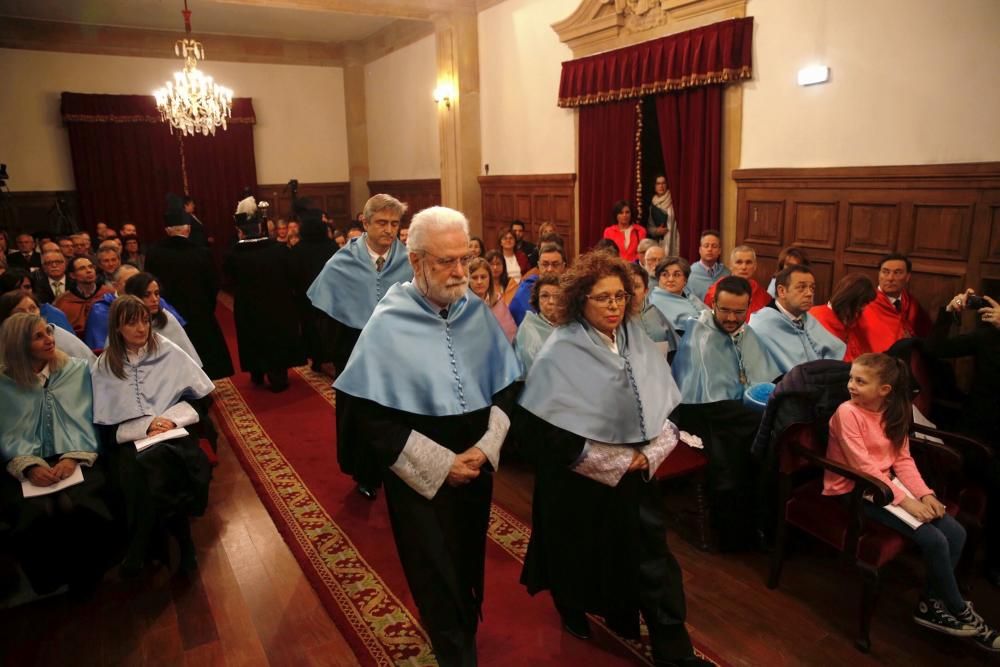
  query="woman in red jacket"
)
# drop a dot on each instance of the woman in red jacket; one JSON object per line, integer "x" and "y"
{"x": 625, "y": 235}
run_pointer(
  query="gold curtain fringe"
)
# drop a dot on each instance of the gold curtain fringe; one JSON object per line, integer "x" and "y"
{"x": 88, "y": 118}
{"x": 724, "y": 76}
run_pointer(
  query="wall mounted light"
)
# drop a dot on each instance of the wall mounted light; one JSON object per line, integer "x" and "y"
{"x": 814, "y": 74}
{"x": 445, "y": 92}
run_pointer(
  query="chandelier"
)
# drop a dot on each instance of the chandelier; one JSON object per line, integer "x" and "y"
{"x": 193, "y": 102}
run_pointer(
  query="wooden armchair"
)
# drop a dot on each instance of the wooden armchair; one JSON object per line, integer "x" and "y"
{"x": 840, "y": 521}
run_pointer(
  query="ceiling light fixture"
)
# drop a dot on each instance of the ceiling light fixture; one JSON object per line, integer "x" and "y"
{"x": 193, "y": 103}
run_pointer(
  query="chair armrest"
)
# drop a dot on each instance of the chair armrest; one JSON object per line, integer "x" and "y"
{"x": 968, "y": 448}
{"x": 880, "y": 492}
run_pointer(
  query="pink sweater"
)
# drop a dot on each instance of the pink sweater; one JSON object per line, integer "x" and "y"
{"x": 857, "y": 439}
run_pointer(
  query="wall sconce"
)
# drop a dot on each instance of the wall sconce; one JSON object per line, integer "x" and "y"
{"x": 813, "y": 74}
{"x": 445, "y": 92}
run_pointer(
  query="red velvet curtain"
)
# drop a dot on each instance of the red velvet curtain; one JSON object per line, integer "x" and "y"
{"x": 691, "y": 138}
{"x": 607, "y": 164}
{"x": 125, "y": 161}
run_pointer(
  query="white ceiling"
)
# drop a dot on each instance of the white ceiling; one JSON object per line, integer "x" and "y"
{"x": 207, "y": 16}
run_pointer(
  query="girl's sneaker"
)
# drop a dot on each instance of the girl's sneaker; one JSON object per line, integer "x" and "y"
{"x": 934, "y": 615}
{"x": 985, "y": 637}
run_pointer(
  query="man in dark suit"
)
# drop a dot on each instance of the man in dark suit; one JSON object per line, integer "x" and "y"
{"x": 198, "y": 235}
{"x": 25, "y": 257}
{"x": 52, "y": 281}
{"x": 189, "y": 281}
{"x": 529, "y": 249}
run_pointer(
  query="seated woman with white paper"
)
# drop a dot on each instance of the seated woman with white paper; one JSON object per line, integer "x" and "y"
{"x": 145, "y": 386}
{"x": 52, "y": 498}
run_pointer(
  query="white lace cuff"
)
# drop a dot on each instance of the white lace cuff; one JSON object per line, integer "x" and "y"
{"x": 423, "y": 464}
{"x": 492, "y": 440}
{"x": 17, "y": 465}
{"x": 659, "y": 448}
{"x": 603, "y": 463}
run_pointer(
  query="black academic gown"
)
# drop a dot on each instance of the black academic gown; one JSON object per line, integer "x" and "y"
{"x": 197, "y": 236}
{"x": 267, "y": 330}
{"x": 600, "y": 549}
{"x": 307, "y": 260}
{"x": 441, "y": 541}
{"x": 188, "y": 280}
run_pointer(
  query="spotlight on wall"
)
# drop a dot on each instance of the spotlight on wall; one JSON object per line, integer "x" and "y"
{"x": 445, "y": 92}
{"x": 814, "y": 74}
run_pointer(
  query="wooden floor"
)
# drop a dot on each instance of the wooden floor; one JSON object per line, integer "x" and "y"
{"x": 250, "y": 604}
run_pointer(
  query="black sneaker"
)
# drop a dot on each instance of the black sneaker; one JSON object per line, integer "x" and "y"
{"x": 933, "y": 614}
{"x": 985, "y": 637}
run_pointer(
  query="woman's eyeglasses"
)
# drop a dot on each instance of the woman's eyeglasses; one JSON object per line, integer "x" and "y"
{"x": 610, "y": 299}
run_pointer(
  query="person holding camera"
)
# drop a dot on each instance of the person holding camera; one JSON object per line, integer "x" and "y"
{"x": 980, "y": 417}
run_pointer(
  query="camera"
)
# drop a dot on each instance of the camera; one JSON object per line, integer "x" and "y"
{"x": 975, "y": 302}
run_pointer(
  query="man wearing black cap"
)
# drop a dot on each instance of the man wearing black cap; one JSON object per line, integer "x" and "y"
{"x": 267, "y": 330}
{"x": 189, "y": 281}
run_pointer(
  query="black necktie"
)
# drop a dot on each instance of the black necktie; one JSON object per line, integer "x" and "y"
{"x": 898, "y": 305}
{"x": 379, "y": 263}
{"x": 443, "y": 313}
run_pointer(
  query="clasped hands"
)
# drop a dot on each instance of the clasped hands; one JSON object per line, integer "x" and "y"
{"x": 926, "y": 509}
{"x": 160, "y": 425}
{"x": 41, "y": 476}
{"x": 466, "y": 465}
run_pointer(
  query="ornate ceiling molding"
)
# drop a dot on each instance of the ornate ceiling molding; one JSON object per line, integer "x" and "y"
{"x": 602, "y": 25}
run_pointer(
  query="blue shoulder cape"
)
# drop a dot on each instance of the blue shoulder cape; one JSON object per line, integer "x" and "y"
{"x": 56, "y": 317}
{"x": 348, "y": 287}
{"x": 675, "y": 307}
{"x": 96, "y": 333}
{"x": 520, "y": 305}
{"x": 700, "y": 280}
{"x": 707, "y": 364}
{"x": 789, "y": 345}
{"x": 658, "y": 327}
{"x": 531, "y": 336}
{"x": 409, "y": 358}
{"x": 47, "y": 420}
{"x": 579, "y": 385}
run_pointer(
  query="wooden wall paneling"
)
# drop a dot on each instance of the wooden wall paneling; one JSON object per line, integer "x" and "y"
{"x": 533, "y": 199}
{"x": 418, "y": 194}
{"x": 945, "y": 217}
{"x": 34, "y": 211}
{"x": 334, "y": 198}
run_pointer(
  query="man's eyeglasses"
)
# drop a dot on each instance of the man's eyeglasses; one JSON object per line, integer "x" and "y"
{"x": 545, "y": 266}
{"x": 610, "y": 299}
{"x": 448, "y": 263}
{"x": 728, "y": 311}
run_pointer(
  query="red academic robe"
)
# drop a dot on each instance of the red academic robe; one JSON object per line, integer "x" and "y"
{"x": 881, "y": 325}
{"x": 759, "y": 298}
{"x": 824, "y": 315}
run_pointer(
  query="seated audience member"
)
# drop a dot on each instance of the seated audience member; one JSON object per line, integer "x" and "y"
{"x": 607, "y": 246}
{"x": 840, "y": 315}
{"x": 623, "y": 232}
{"x": 980, "y": 417}
{"x": 95, "y": 335}
{"x": 654, "y": 323}
{"x": 3, "y": 264}
{"x": 101, "y": 230}
{"x": 48, "y": 435}
{"x": 515, "y": 261}
{"x": 108, "y": 261}
{"x": 77, "y": 302}
{"x": 25, "y": 256}
{"x": 4, "y": 243}
{"x": 661, "y": 222}
{"x": 869, "y": 433}
{"x": 18, "y": 279}
{"x": 539, "y": 323}
{"x": 743, "y": 264}
{"x": 894, "y": 314}
{"x": 640, "y": 252}
{"x": 708, "y": 269}
{"x": 66, "y": 247}
{"x": 164, "y": 322}
{"x": 131, "y": 254}
{"x": 523, "y": 245}
{"x": 719, "y": 358}
{"x": 19, "y": 301}
{"x": 281, "y": 232}
{"x": 787, "y": 257}
{"x": 51, "y": 282}
{"x": 501, "y": 281}
{"x": 129, "y": 229}
{"x": 404, "y": 234}
{"x": 481, "y": 284}
{"x": 598, "y": 541}
{"x": 110, "y": 235}
{"x": 476, "y": 246}
{"x": 144, "y": 385}
{"x": 652, "y": 257}
{"x": 355, "y": 231}
{"x": 785, "y": 328}
{"x": 551, "y": 259}
{"x": 547, "y": 229}
{"x": 339, "y": 238}
{"x": 81, "y": 245}
{"x": 671, "y": 296}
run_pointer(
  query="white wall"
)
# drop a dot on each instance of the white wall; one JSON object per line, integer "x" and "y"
{"x": 520, "y": 60}
{"x": 401, "y": 114}
{"x": 912, "y": 82}
{"x": 300, "y": 132}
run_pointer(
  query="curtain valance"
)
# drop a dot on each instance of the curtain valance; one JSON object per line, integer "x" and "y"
{"x": 714, "y": 54}
{"x": 89, "y": 108}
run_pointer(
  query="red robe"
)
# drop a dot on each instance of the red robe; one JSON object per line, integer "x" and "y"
{"x": 881, "y": 325}
{"x": 824, "y": 315}
{"x": 759, "y": 298}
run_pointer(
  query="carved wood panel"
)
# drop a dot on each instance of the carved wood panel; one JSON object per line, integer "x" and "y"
{"x": 418, "y": 194}
{"x": 533, "y": 199}
{"x": 334, "y": 198}
{"x": 945, "y": 217}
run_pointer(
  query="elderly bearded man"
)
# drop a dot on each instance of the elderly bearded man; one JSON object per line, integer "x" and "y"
{"x": 430, "y": 381}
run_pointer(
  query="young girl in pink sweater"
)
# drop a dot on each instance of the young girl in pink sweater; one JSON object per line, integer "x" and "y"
{"x": 869, "y": 433}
